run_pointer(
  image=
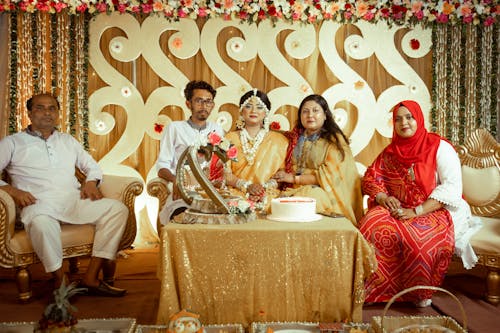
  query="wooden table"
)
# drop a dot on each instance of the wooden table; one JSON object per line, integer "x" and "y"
{"x": 264, "y": 271}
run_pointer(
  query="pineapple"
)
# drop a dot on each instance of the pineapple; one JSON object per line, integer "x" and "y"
{"x": 59, "y": 315}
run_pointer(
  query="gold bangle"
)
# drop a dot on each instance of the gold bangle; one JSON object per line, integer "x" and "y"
{"x": 296, "y": 180}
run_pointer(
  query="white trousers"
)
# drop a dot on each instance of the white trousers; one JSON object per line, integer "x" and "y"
{"x": 108, "y": 215}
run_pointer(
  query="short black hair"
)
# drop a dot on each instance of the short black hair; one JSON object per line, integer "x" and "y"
{"x": 192, "y": 85}
{"x": 29, "y": 102}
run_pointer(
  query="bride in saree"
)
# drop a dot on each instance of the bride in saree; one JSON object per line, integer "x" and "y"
{"x": 320, "y": 163}
{"x": 261, "y": 151}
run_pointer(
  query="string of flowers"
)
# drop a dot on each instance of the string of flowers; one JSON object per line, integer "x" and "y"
{"x": 400, "y": 12}
{"x": 13, "y": 75}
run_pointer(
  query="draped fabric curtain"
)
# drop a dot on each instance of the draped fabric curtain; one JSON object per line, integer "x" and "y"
{"x": 48, "y": 53}
{"x": 4, "y": 77}
{"x": 466, "y": 91}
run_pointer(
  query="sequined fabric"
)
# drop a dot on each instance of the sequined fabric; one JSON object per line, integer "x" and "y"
{"x": 265, "y": 271}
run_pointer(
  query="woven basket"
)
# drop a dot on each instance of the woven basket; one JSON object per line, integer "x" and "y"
{"x": 418, "y": 324}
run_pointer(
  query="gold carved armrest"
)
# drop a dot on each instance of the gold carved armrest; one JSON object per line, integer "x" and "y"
{"x": 124, "y": 189}
{"x": 159, "y": 188}
{"x": 7, "y": 227}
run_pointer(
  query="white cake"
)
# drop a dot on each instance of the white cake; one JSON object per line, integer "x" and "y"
{"x": 294, "y": 209}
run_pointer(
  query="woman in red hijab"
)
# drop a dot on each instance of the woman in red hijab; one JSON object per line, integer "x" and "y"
{"x": 413, "y": 184}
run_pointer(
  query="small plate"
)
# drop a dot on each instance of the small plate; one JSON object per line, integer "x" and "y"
{"x": 315, "y": 217}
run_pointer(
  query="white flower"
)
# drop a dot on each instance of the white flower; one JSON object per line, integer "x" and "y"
{"x": 224, "y": 144}
{"x": 243, "y": 206}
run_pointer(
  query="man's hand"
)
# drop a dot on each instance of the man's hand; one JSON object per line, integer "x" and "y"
{"x": 21, "y": 198}
{"x": 90, "y": 191}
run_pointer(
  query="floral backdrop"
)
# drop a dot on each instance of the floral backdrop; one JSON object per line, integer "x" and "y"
{"x": 309, "y": 11}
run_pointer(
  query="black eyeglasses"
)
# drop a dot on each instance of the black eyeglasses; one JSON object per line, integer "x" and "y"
{"x": 201, "y": 101}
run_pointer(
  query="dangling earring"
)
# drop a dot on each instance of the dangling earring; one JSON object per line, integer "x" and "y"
{"x": 240, "y": 123}
{"x": 267, "y": 122}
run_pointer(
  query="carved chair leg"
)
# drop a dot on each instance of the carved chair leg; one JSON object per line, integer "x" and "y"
{"x": 23, "y": 281}
{"x": 493, "y": 286}
{"x": 74, "y": 265}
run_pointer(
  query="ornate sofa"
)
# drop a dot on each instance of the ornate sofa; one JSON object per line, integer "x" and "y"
{"x": 15, "y": 247}
{"x": 159, "y": 188}
{"x": 480, "y": 157}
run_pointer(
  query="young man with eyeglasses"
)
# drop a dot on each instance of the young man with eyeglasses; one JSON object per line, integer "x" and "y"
{"x": 181, "y": 134}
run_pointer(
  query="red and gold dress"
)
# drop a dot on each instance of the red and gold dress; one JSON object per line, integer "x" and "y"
{"x": 411, "y": 252}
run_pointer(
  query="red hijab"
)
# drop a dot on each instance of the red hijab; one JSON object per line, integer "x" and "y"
{"x": 417, "y": 152}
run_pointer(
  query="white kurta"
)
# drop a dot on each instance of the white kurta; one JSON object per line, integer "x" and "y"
{"x": 449, "y": 192}
{"x": 177, "y": 137}
{"x": 46, "y": 169}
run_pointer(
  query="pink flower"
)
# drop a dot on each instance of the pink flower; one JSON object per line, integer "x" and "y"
{"x": 442, "y": 18}
{"x": 202, "y": 12}
{"x": 467, "y": 19}
{"x": 147, "y": 8}
{"x": 419, "y": 15}
{"x": 489, "y": 21}
{"x": 101, "y": 7}
{"x": 214, "y": 139}
{"x": 232, "y": 152}
{"x": 369, "y": 16}
{"x": 347, "y": 15}
{"x": 59, "y": 6}
{"x": 181, "y": 13}
{"x": 122, "y": 8}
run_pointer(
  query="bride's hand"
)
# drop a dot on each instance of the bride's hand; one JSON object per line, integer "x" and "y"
{"x": 283, "y": 177}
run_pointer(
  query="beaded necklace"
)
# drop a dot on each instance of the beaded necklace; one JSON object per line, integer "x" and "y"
{"x": 247, "y": 140}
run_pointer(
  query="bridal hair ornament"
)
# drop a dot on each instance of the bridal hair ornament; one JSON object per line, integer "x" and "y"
{"x": 240, "y": 123}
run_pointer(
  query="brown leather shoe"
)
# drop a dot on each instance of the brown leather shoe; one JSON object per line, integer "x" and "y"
{"x": 105, "y": 289}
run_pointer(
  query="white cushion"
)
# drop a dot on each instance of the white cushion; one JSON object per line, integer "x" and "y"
{"x": 480, "y": 186}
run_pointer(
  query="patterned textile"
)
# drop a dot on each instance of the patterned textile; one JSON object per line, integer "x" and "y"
{"x": 409, "y": 252}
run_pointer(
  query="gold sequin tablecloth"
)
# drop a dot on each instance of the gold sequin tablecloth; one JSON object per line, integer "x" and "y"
{"x": 264, "y": 271}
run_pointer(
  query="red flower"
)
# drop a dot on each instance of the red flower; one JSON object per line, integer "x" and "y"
{"x": 275, "y": 126}
{"x": 81, "y": 8}
{"x": 214, "y": 139}
{"x": 272, "y": 10}
{"x": 243, "y": 15}
{"x": 232, "y": 152}
{"x": 262, "y": 14}
{"x": 415, "y": 44}
{"x": 159, "y": 127}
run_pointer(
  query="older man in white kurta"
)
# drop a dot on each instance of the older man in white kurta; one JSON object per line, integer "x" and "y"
{"x": 41, "y": 165}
